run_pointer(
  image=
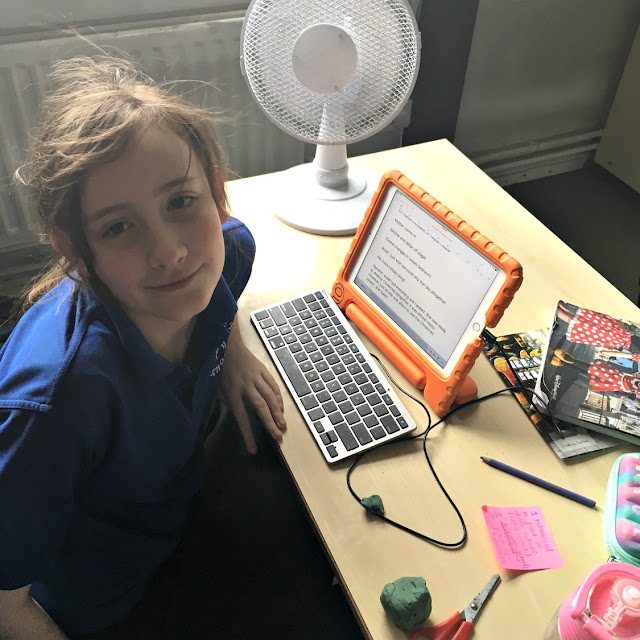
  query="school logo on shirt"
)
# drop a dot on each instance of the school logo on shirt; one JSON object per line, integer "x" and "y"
{"x": 218, "y": 356}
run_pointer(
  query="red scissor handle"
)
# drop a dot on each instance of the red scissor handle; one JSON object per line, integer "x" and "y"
{"x": 454, "y": 628}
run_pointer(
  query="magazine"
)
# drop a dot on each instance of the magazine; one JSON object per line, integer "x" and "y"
{"x": 525, "y": 352}
{"x": 590, "y": 376}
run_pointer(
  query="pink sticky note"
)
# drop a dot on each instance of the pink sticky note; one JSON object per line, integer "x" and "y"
{"x": 521, "y": 538}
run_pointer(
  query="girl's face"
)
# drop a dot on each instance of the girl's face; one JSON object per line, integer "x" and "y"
{"x": 154, "y": 231}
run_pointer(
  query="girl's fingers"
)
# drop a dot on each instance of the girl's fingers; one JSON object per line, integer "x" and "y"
{"x": 242, "y": 418}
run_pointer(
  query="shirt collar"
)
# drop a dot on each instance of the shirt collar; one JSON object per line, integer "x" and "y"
{"x": 144, "y": 361}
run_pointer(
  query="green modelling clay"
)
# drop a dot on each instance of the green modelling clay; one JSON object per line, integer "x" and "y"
{"x": 407, "y": 602}
{"x": 374, "y": 504}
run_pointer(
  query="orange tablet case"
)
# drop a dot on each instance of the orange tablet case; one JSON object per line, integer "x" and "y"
{"x": 440, "y": 392}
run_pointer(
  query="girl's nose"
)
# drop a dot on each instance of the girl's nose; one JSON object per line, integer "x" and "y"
{"x": 166, "y": 248}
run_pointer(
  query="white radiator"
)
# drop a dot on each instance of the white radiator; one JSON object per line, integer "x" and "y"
{"x": 203, "y": 51}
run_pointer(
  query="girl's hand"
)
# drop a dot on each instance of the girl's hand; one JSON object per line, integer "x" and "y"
{"x": 245, "y": 381}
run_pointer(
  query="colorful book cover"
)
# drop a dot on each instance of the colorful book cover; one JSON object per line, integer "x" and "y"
{"x": 590, "y": 375}
{"x": 526, "y": 353}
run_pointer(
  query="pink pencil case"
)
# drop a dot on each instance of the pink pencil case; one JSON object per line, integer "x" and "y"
{"x": 622, "y": 510}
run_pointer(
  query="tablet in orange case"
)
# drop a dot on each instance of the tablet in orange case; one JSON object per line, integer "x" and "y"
{"x": 440, "y": 390}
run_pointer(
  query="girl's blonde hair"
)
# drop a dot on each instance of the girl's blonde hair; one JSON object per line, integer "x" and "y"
{"x": 95, "y": 108}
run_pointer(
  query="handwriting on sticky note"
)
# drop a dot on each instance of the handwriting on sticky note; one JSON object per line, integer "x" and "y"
{"x": 521, "y": 538}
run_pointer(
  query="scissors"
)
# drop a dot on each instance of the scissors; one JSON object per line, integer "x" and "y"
{"x": 459, "y": 625}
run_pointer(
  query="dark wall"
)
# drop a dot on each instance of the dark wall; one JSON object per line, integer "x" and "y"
{"x": 447, "y": 29}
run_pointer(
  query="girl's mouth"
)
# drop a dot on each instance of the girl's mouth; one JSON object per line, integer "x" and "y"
{"x": 177, "y": 284}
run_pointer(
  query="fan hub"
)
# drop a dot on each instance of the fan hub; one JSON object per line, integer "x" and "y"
{"x": 324, "y": 59}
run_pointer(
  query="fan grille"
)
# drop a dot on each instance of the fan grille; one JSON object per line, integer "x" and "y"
{"x": 387, "y": 42}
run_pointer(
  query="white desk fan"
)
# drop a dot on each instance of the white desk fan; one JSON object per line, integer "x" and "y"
{"x": 329, "y": 72}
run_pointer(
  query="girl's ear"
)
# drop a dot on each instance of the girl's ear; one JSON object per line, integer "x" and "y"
{"x": 218, "y": 195}
{"x": 61, "y": 242}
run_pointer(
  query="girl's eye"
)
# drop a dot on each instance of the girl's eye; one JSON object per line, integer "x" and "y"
{"x": 116, "y": 229}
{"x": 180, "y": 202}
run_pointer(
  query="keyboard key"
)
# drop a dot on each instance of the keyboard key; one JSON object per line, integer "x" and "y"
{"x": 331, "y": 450}
{"x": 323, "y": 396}
{"x": 289, "y": 309}
{"x": 272, "y": 331}
{"x": 332, "y": 386}
{"x": 301, "y": 357}
{"x": 310, "y": 297}
{"x": 389, "y": 424}
{"x": 371, "y": 420}
{"x": 380, "y": 410}
{"x": 318, "y": 426}
{"x": 329, "y": 407}
{"x": 364, "y": 409}
{"x": 265, "y": 324}
{"x": 346, "y": 436}
{"x": 276, "y": 342}
{"x": 315, "y": 414}
{"x": 309, "y": 402}
{"x": 335, "y": 417}
{"x": 345, "y": 407}
{"x": 277, "y": 315}
{"x": 373, "y": 399}
{"x": 361, "y": 433}
{"x": 351, "y": 388}
{"x": 293, "y": 372}
{"x": 378, "y": 432}
{"x": 352, "y": 417}
{"x": 261, "y": 315}
{"x": 317, "y": 386}
{"x": 339, "y": 396}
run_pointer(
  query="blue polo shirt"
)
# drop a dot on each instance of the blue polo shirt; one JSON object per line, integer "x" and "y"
{"x": 101, "y": 446}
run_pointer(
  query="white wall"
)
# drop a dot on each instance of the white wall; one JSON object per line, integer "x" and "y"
{"x": 540, "y": 71}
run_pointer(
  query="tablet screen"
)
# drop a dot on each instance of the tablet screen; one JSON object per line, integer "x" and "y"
{"x": 429, "y": 281}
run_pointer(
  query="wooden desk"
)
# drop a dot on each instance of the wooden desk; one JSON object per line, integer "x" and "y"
{"x": 367, "y": 553}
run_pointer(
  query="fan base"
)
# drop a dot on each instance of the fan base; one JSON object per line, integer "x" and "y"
{"x": 305, "y": 205}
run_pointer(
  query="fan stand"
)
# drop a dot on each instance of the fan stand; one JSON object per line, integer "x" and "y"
{"x": 317, "y": 198}
{"x": 325, "y": 197}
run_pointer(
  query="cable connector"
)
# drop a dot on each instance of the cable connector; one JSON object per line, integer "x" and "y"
{"x": 488, "y": 336}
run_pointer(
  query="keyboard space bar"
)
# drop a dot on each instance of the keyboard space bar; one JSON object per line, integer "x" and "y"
{"x": 293, "y": 372}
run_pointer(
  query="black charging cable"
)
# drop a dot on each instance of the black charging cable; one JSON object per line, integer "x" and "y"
{"x": 430, "y": 426}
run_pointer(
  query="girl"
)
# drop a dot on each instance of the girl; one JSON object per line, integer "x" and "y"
{"x": 108, "y": 380}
